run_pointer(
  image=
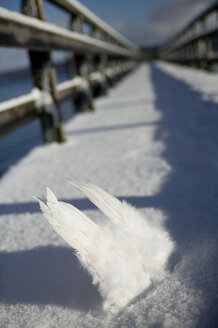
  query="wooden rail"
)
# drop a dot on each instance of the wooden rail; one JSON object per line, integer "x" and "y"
{"x": 97, "y": 61}
{"x": 197, "y": 43}
{"x": 76, "y": 8}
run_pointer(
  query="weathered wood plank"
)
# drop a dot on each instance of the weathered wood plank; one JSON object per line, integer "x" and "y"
{"x": 75, "y": 7}
{"x": 17, "y": 112}
{"x": 17, "y": 30}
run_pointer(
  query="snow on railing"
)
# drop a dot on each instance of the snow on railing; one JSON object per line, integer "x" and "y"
{"x": 197, "y": 43}
{"x": 97, "y": 61}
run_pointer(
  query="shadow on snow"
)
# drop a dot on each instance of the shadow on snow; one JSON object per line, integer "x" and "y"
{"x": 189, "y": 198}
{"x": 112, "y": 128}
{"x": 190, "y": 195}
{"x": 46, "y": 275}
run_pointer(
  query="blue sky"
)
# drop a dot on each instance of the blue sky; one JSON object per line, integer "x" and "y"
{"x": 144, "y": 22}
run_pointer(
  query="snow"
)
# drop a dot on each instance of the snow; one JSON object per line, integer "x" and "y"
{"x": 151, "y": 142}
{"x": 200, "y": 80}
{"x": 41, "y": 98}
{"x": 73, "y": 83}
{"x": 34, "y": 95}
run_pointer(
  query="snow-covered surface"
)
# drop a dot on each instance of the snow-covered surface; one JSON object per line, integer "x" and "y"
{"x": 200, "y": 80}
{"x": 75, "y": 82}
{"x": 152, "y": 142}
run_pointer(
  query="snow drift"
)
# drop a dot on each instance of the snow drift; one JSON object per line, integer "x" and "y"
{"x": 124, "y": 254}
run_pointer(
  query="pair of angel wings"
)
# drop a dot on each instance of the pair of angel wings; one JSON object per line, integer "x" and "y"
{"x": 123, "y": 254}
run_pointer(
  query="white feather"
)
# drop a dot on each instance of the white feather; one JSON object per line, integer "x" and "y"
{"x": 108, "y": 204}
{"x": 51, "y": 198}
{"x": 123, "y": 255}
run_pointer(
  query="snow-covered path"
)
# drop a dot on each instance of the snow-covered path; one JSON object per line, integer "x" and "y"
{"x": 153, "y": 142}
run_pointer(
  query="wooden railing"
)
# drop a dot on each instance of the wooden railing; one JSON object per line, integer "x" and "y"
{"x": 197, "y": 43}
{"x": 97, "y": 61}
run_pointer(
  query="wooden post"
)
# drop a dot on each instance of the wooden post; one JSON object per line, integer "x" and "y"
{"x": 45, "y": 80}
{"x": 83, "y": 99}
{"x": 76, "y": 23}
{"x": 99, "y": 64}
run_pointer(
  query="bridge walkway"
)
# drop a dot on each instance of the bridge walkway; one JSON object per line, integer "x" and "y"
{"x": 152, "y": 142}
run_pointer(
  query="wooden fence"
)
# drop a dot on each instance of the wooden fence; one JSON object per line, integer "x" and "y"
{"x": 197, "y": 43}
{"x": 97, "y": 60}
